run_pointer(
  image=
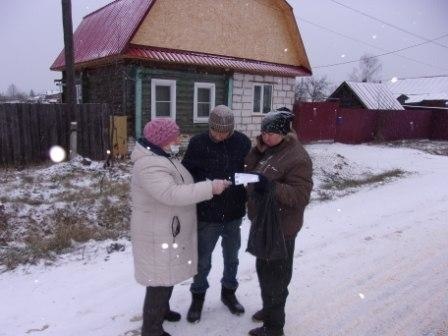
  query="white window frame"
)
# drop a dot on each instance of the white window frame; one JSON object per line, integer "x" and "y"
{"x": 200, "y": 85}
{"x": 262, "y": 85}
{"x": 163, "y": 82}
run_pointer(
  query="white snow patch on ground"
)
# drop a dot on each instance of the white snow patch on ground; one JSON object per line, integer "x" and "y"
{"x": 372, "y": 263}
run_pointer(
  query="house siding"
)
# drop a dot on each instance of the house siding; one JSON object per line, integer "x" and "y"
{"x": 105, "y": 85}
{"x": 242, "y": 99}
{"x": 184, "y": 95}
{"x": 115, "y": 85}
{"x": 346, "y": 97}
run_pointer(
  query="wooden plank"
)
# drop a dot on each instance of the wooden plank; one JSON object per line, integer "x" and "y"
{"x": 90, "y": 128}
{"x": 5, "y": 144}
{"x": 107, "y": 140}
{"x": 25, "y": 129}
{"x": 81, "y": 141}
{"x": 15, "y": 134}
{"x": 33, "y": 133}
{"x": 65, "y": 118}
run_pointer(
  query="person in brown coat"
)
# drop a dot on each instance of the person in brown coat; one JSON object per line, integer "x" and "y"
{"x": 285, "y": 168}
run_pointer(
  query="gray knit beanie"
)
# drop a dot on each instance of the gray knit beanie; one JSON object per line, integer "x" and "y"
{"x": 221, "y": 119}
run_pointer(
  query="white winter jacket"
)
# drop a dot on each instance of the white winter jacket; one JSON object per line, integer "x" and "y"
{"x": 162, "y": 189}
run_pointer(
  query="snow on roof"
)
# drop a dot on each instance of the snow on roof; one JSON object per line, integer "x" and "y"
{"x": 375, "y": 96}
{"x": 419, "y": 89}
{"x": 427, "y": 96}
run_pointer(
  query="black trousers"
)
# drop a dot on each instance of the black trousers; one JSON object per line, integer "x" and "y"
{"x": 157, "y": 304}
{"x": 274, "y": 277}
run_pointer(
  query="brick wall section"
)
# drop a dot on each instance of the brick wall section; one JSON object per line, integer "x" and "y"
{"x": 242, "y": 100}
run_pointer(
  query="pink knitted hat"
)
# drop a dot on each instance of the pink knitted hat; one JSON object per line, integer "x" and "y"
{"x": 161, "y": 131}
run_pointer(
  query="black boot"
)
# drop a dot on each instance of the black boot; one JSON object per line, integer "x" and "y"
{"x": 258, "y": 316}
{"x": 229, "y": 299}
{"x": 263, "y": 331}
{"x": 195, "y": 310}
{"x": 172, "y": 316}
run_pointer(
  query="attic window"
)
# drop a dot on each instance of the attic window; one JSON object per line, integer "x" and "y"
{"x": 262, "y": 98}
{"x": 204, "y": 101}
{"x": 163, "y": 98}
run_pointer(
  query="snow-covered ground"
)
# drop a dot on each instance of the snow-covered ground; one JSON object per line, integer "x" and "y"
{"x": 373, "y": 262}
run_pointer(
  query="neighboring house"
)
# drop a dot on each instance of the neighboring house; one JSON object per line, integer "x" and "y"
{"x": 425, "y": 91}
{"x": 370, "y": 96}
{"x": 180, "y": 58}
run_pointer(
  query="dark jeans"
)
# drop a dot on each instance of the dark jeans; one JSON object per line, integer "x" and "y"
{"x": 274, "y": 277}
{"x": 208, "y": 235}
{"x": 154, "y": 309}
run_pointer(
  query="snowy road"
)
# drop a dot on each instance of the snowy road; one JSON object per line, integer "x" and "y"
{"x": 371, "y": 263}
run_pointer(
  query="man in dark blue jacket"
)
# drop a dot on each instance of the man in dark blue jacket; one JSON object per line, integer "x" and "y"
{"x": 218, "y": 153}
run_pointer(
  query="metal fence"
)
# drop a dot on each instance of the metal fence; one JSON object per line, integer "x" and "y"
{"x": 328, "y": 121}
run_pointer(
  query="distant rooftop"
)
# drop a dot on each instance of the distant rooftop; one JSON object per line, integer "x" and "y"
{"x": 419, "y": 89}
{"x": 375, "y": 96}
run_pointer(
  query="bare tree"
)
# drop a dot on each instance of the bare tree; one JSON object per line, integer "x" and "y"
{"x": 301, "y": 90}
{"x": 318, "y": 88}
{"x": 12, "y": 91}
{"x": 368, "y": 70}
{"x": 312, "y": 89}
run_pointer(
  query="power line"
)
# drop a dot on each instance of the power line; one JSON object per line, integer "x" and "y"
{"x": 366, "y": 43}
{"x": 387, "y": 53}
{"x": 388, "y": 24}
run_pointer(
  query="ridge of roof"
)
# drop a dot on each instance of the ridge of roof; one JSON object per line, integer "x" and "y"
{"x": 100, "y": 9}
{"x": 375, "y": 95}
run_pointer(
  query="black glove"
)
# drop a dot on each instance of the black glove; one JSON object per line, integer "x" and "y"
{"x": 262, "y": 186}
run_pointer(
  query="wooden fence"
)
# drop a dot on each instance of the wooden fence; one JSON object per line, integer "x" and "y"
{"x": 28, "y": 131}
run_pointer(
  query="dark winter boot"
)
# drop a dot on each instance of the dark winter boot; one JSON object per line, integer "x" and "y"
{"x": 172, "y": 316}
{"x": 258, "y": 316}
{"x": 229, "y": 299}
{"x": 263, "y": 331}
{"x": 195, "y": 310}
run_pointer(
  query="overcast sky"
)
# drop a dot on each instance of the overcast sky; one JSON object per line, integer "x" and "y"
{"x": 31, "y": 37}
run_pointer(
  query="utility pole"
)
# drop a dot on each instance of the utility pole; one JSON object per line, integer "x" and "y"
{"x": 69, "y": 58}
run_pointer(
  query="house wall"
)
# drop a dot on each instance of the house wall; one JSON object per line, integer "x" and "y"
{"x": 184, "y": 95}
{"x": 346, "y": 98}
{"x": 261, "y": 30}
{"x": 115, "y": 85}
{"x": 242, "y": 99}
{"x": 106, "y": 85}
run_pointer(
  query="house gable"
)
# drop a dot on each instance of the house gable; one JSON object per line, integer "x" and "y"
{"x": 262, "y": 30}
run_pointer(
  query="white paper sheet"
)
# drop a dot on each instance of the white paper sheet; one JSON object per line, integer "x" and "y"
{"x": 243, "y": 178}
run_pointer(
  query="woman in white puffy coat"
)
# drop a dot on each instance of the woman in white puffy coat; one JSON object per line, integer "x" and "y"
{"x": 163, "y": 222}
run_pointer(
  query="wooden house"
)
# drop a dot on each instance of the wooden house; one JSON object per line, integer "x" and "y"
{"x": 180, "y": 58}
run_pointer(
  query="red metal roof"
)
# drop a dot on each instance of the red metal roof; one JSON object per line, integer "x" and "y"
{"x": 185, "y": 57}
{"x": 106, "y": 31}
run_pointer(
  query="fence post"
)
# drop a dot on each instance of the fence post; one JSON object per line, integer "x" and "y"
{"x": 73, "y": 139}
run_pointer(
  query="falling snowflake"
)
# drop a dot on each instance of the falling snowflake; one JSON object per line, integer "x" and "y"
{"x": 57, "y": 154}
